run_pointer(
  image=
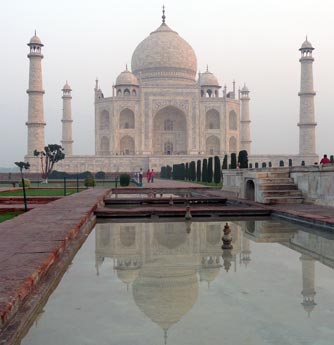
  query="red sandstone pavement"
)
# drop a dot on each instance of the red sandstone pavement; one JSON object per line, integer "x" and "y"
{"x": 31, "y": 243}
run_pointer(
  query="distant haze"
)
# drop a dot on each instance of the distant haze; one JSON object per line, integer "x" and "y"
{"x": 255, "y": 42}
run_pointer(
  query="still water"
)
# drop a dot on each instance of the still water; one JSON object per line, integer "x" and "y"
{"x": 171, "y": 283}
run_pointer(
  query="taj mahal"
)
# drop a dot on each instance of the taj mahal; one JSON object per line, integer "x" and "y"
{"x": 163, "y": 111}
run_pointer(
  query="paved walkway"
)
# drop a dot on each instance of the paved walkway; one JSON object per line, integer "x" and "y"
{"x": 31, "y": 243}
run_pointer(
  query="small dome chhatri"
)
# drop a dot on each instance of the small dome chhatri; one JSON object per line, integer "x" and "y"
{"x": 126, "y": 78}
{"x": 35, "y": 40}
{"x": 306, "y": 45}
{"x": 245, "y": 89}
{"x": 208, "y": 79}
{"x": 66, "y": 87}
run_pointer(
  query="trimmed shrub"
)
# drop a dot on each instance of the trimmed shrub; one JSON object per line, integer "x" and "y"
{"x": 100, "y": 175}
{"x": 233, "y": 161}
{"x": 182, "y": 171}
{"x": 199, "y": 171}
{"x": 331, "y": 159}
{"x": 192, "y": 171}
{"x": 270, "y": 164}
{"x": 187, "y": 172}
{"x": 162, "y": 172}
{"x": 281, "y": 163}
{"x": 26, "y": 182}
{"x": 168, "y": 172}
{"x": 290, "y": 162}
{"x": 89, "y": 182}
{"x": 124, "y": 180}
{"x": 224, "y": 163}
{"x": 217, "y": 171}
{"x": 243, "y": 159}
{"x": 303, "y": 163}
{"x": 205, "y": 170}
{"x": 210, "y": 169}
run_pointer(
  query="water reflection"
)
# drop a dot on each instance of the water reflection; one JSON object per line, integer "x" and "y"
{"x": 164, "y": 262}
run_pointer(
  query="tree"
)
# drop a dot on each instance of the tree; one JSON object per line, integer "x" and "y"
{"x": 23, "y": 165}
{"x": 187, "y": 172}
{"x": 243, "y": 159}
{"x": 52, "y": 154}
{"x": 198, "y": 171}
{"x": 168, "y": 172}
{"x": 192, "y": 171}
{"x": 217, "y": 172}
{"x": 233, "y": 161}
{"x": 210, "y": 170}
{"x": 224, "y": 167}
{"x": 205, "y": 170}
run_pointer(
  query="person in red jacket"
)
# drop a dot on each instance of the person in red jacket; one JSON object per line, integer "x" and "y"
{"x": 148, "y": 176}
{"x": 325, "y": 160}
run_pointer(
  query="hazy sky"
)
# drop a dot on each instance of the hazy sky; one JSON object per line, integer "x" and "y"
{"x": 255, "y": 42}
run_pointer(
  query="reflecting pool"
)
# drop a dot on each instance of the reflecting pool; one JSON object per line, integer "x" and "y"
{"x": 171, "y": 283}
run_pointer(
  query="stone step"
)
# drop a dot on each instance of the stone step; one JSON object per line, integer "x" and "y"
{"x": 276, "y": 180}
{"x": 278, "y": 175}
{"x": 280, "y": 192}
{"x": 272, "y": 175}
{"x": 278, "y": 186}
{"x": 284, "y": 200}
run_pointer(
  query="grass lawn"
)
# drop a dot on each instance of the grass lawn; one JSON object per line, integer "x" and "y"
{"x": 6, "y": 216}
{"x": 39, "y": 192}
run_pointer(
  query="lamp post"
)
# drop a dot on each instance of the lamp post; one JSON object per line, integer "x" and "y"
{"x": 23, "y": 165}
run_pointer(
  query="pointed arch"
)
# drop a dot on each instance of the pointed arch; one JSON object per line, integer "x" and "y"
{"x": 170, "y": 131}
{"x": 104, "y": 146}
{"x": 233, "y": 144}
{"x": 212, "y": 145}
{"x": 127, "y": 119}
{"x": 233, "y": 120}
{"x": 212, "y": 119}
{"x": 104, "y": 120}
{"x": 127, "y": 145}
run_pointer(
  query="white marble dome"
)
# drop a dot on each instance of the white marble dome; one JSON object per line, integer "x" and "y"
{"x": 35, "y": 40}
{"x": 67, "y": 87}
{"x": 208, "y": 79}
{"x": 307, "y": 45}
{"x": 126, "y": 78}
{"x": 164, "y": 55}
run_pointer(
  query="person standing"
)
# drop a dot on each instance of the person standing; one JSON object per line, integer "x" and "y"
{"x": 152, "y": 175}
{"x": 140, "y": 177}
{"x": 148, "y": 176}
{"x": 325, "y": 160}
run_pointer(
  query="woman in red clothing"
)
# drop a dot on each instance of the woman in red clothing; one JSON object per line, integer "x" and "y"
{"x": 148, "y": 176}
{"x": 325, "y": 160}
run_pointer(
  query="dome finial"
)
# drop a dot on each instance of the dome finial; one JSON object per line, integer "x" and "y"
{"x": 207, "y": 68}
{"x": 163, "y": 14}
{"x": 35, "y": 32}
{"x": 126, "y": 67}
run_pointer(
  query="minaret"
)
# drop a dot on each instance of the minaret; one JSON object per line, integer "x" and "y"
{"x": 67, "y": 141}
{"x": 35, "y": 92}
{"x": 245, "y": 137}
{"x": 306, "y": 111}
{"x": 308, "y": 283}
